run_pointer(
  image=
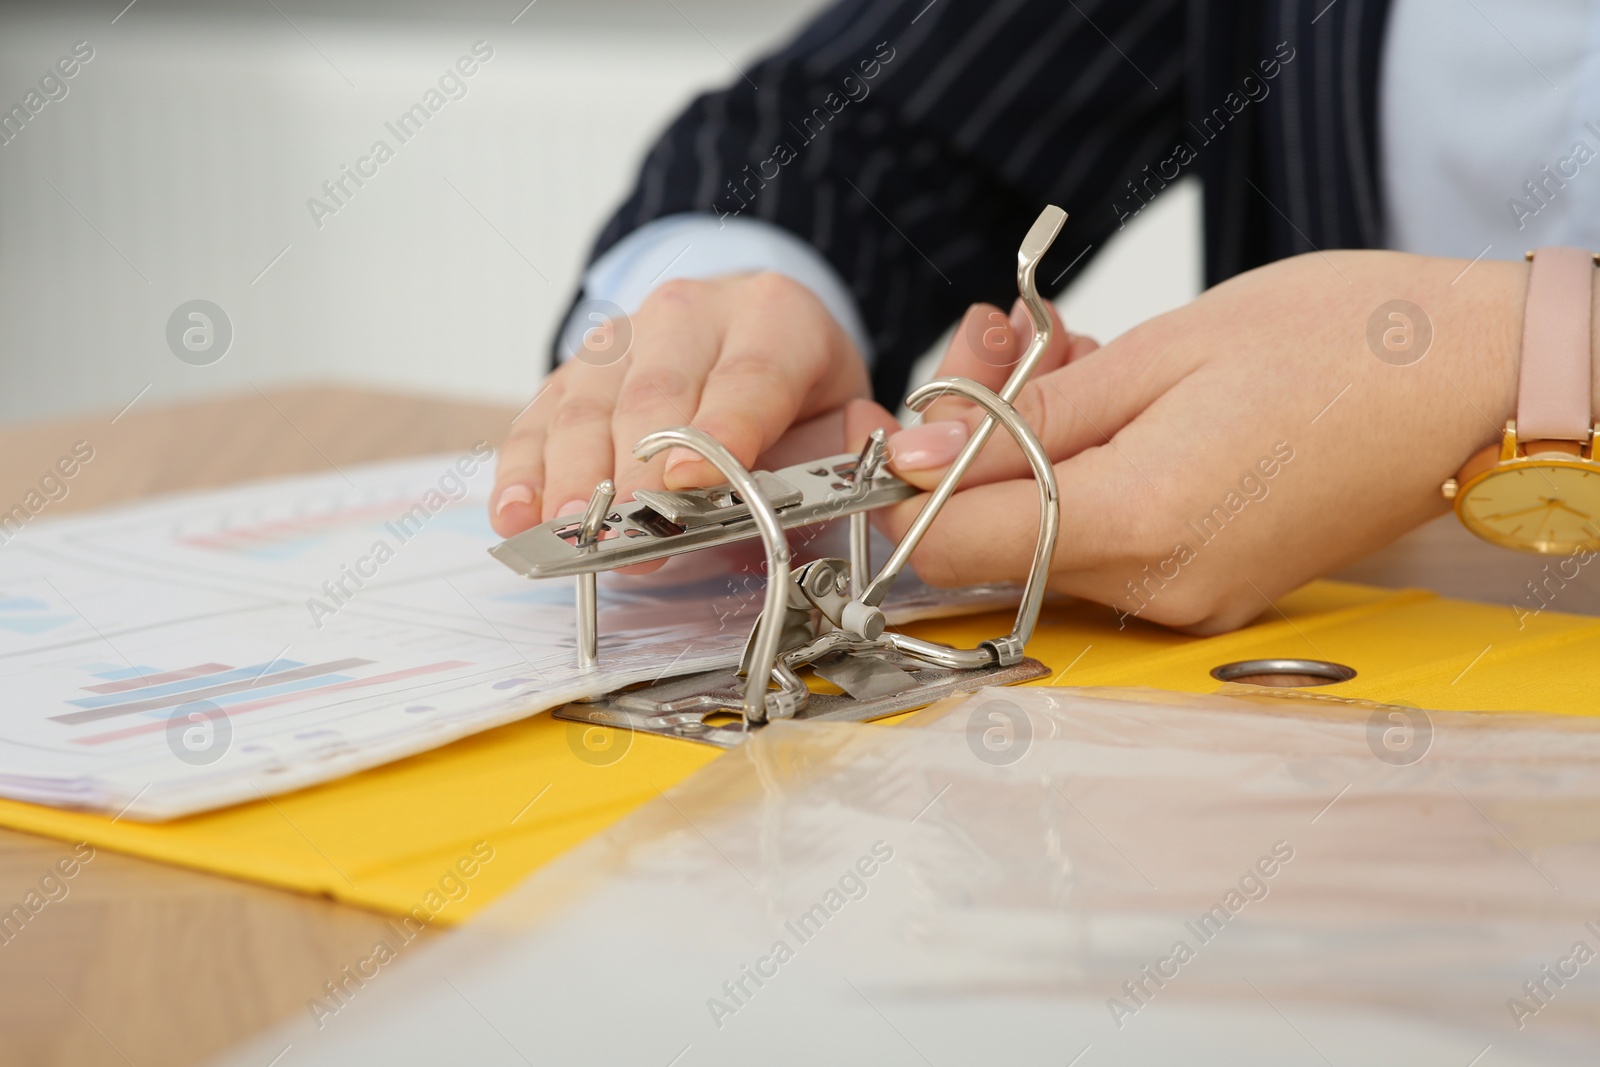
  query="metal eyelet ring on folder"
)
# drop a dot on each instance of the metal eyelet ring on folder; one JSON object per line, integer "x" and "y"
{"x": 1283, "y": 673}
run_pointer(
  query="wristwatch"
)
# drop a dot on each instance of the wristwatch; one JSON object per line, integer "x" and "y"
{"x": 1538, "y": 490}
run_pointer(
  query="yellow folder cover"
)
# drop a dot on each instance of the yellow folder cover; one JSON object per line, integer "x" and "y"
{"x": 449, "y": 830}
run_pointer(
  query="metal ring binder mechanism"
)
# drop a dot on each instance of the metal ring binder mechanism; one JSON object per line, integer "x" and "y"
{"x": 823, "y": 615}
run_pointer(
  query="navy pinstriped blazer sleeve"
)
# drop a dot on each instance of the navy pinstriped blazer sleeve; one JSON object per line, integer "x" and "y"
{"x": 913, "y": 143}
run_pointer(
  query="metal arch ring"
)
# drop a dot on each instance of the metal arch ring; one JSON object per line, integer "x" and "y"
{"x": 769, "y": 630}
{"x": 1044, "y": 475}
{"x": 1038, "y": 240}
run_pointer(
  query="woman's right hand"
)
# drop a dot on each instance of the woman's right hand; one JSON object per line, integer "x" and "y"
{"x": 745, "y": 358}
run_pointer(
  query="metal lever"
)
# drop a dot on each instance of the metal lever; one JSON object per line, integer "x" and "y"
{"x": 1038, "y": 240}
{"x": 587, "y": 598}
{"x": 873, "y": 453}
{"x": 769, "y": 630}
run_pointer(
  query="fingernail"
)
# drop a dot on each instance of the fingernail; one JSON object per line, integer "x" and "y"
{"x": 1021, "y": 321}
{"x": 678, "y": 457}
{"x": 572, "y": 507}
{"x": 512, "y": 494}
{"x": 929, "y": 446}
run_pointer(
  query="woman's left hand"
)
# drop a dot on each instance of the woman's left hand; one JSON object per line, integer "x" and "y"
{"x": 1222, "y": 454}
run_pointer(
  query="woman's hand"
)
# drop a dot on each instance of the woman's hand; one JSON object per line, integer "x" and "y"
{"x": 1222, "y": 454}
{"x": 745, "y": 358}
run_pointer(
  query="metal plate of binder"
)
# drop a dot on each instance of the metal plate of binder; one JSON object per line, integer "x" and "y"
{"x": 824, "y": 615}
{"x": 702, "y": 707}
{"x": 660, "y": 524}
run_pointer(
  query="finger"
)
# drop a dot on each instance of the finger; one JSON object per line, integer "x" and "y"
{"x": 983, "y": 348}
{"x": 676, "y": 340}
{"x": 988, "y": 533}
{"x": 514, "y": 503}
{"x": 839, "y": 430}
{"x": 785, "y": 361}
{"x": 861, "y": 417}
{"x": 987, "y": 346}
{"x": 1079, "y": 345}
{"x": 577, "y": 444}
{"x": 806, "y": 442}
{"x": 1077, "y": 406}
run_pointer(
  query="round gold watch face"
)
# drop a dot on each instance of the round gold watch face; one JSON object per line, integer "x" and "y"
{"x": 1551, "y": 507}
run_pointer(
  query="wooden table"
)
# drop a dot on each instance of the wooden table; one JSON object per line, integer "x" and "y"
{"x": 148, "y": 964}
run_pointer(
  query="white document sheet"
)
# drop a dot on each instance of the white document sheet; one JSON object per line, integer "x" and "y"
{"x": 210, "y": 648}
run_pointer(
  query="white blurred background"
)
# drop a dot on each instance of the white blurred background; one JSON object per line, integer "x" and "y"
{"x": 180, "y": 161}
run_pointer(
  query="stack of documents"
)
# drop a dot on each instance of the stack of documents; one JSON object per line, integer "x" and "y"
{"x": 206, "y": 649}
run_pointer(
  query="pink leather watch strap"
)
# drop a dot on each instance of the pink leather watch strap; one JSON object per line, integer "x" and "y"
{"x": 1553, "y": 391}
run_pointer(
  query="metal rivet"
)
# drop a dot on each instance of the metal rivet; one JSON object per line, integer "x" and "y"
{"x": 1284, "y": 673}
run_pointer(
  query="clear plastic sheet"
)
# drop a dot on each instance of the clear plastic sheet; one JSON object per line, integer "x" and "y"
{"x": 1049, "y": 876}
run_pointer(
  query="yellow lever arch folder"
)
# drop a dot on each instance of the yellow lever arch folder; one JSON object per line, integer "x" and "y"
{"x": 449, "y": 830}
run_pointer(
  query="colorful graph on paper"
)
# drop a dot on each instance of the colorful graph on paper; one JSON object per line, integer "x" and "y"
{"x": 143, "y": 704}
{"x": 195, "y": 651}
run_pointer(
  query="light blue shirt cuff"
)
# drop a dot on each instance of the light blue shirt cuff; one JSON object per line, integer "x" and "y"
{"x": 698, "y": 245}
